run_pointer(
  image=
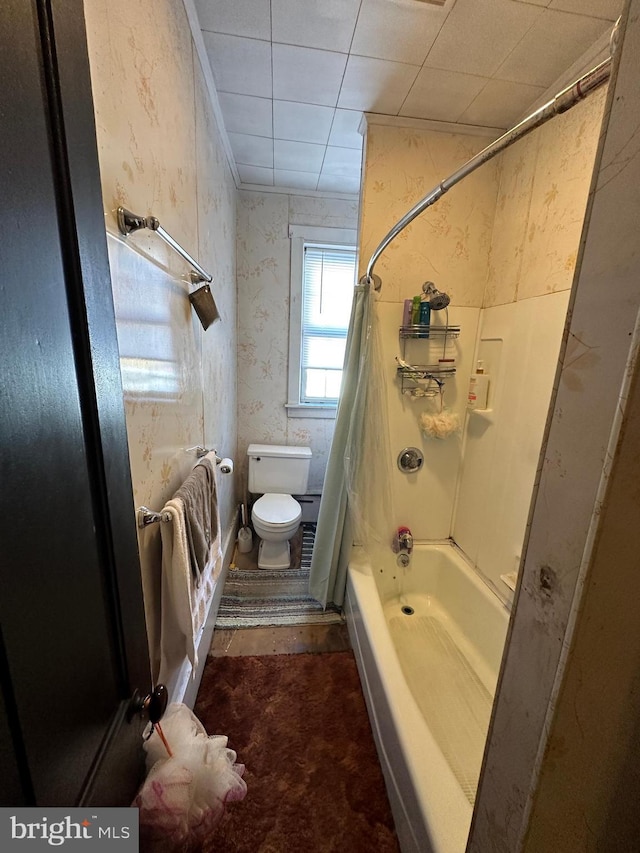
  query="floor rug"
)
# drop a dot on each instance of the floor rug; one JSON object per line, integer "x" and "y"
{"x": 254, "y": 598}
{"x": 299, "y": 724}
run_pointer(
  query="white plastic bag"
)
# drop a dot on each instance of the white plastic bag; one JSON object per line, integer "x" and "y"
{"x": 184, "y": 797}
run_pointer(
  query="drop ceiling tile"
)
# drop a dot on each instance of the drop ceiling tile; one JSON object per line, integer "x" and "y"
{"x": 240, "y": 65}
{"x": 338, "y": 184}
{"x": 252, "y": 150}
{"x": 376, "y": 85}
{"x": 296, "y": 180}
{"x": 501, "y": 104}
{"x": 441, "y": 95}
{"x": 342, "y": 161}
{"x": 554, "y": 41}
{"x": 344, "y": 130}
{"x": 607, "y": 9}
{"x": 250, "y": 18}
{"x": 302, "y": 122}
{"x": 298, "y": 156}
{"x": 255, "y": 175}
{"x": 327, "y": 25}
{"x": 478, "y": 35}
{"x": 403, "y": 33}
{"x": 306, "y": 75}
{"x": 246, "y": 114}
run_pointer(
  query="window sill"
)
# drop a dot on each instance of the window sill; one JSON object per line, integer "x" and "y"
{"x": 308, "y": 410}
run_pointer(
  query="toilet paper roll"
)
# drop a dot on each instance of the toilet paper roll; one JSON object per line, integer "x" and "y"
{"x": 226, "y": 466}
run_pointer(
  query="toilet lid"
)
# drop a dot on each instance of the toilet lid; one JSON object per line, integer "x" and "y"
{"x": 277, "y": 509}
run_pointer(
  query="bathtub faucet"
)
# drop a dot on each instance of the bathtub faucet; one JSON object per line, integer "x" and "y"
{"x": 403, "y": 541}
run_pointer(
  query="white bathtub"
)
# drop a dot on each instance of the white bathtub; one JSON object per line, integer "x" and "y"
{"x": 428, "y": 677}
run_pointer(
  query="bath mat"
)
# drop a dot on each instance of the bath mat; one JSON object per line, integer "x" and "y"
{"x": 254, "y": 598}
{"x": 299, "y": 724}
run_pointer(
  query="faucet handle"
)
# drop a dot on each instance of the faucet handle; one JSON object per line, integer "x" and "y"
{"x": 402, "y": 541}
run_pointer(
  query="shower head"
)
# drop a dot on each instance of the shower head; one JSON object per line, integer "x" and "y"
{"x": 437, "y": 299}
{"x": 204, "y": 306}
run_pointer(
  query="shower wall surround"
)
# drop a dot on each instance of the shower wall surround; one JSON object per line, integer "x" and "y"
{"x": 503, "y": 243}
{"x": 160, "y": 152}
{"x": 544, "y": 183}
{"x": 449, "y": 244}
{"x": 264, "y": 251}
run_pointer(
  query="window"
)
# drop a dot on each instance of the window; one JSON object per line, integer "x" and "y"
{"x": 323, "y": 273}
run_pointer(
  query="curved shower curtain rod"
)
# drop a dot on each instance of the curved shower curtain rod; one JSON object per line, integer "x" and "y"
{"x": 562, "y": 102}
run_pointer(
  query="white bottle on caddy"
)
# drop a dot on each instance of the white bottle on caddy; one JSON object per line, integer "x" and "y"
{"x": 478, "y": 388}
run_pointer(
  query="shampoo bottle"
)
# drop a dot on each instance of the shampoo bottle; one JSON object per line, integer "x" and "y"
{"x": 407, "y": 312}
{"x": 415, "y": 311}
{"x": 478, "y": 388}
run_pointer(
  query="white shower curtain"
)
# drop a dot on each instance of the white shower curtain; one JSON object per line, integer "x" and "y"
{"x": 352, "y": 474}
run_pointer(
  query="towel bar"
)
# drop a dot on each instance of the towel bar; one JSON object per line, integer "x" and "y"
{"x": 201, "y": 451}
{"x": 146, "y": 516}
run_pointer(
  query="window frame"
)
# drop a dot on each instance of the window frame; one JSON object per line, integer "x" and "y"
{"x": 320, "y": 236}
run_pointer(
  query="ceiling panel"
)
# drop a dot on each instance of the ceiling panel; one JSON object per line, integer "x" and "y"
{"x": 240, "y": 65}
{"x": 298, "y": 156}
{"x": 302, "y": 122}
{"x": 376, "y": 85}
{"x": 250, "y": 18}
{"x": 306, "y": 75}
{"x": 255, "y": 175}
{"x": 247, "y": 114}
{"x": 252, "y": 150}
{"x": 296, "y": 180}
{"x": 478, "y": 35}
{"x": 539, "y": 58}
{"x": 342, "y": 161}
{"x": 327, "y": 25}
{"x": 344, "y": 130}
{"x": 500, "y": 102}
{"x": 607, "y": 9}
{"x": 301, "y": 72}
{"x": 441, "y": 95}
{"x": 403, "y": 33}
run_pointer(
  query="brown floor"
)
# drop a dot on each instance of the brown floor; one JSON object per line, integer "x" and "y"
{"x": 285, "y": 640}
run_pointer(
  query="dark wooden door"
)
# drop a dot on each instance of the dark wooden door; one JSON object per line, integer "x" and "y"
{"x": 72, "y": 641}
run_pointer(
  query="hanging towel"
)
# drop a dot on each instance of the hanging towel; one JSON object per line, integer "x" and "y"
{"x": 185, "y": 597}
{"x": 198, "y": 494}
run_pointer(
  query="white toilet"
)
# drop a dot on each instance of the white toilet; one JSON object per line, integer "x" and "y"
{"x": 276, "y": 472}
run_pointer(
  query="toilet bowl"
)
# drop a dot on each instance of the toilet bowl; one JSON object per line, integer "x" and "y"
{"x": 275, "y": 519}
{"x": 277, "y": 472}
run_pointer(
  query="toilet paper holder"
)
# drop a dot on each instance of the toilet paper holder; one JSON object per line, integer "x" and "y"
{"x": 226, "y": 464}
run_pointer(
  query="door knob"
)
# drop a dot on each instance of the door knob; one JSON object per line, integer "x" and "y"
{"x": 152, "y": 706}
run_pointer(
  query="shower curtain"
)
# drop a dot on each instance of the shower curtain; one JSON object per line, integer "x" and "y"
{"x": 343, "y": 516}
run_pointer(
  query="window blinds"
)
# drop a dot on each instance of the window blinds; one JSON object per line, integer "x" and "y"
{"x": 327, "y": 292}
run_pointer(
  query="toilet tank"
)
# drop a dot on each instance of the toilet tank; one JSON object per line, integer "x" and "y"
{"x": 278, "y": 469}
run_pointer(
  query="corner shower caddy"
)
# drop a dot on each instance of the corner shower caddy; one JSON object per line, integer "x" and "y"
{"x": 413, "y": 376}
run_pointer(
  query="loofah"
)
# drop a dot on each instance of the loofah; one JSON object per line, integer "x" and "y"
{"x": 440, "y": 425}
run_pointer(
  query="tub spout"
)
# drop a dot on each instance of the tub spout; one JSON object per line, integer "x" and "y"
{"x": 403, "y": 541}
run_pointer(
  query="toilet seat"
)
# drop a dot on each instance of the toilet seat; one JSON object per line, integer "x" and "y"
{"x": 274, "y": 512}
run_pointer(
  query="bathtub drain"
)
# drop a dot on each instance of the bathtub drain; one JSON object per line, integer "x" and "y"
{"x": 408, "y": 611}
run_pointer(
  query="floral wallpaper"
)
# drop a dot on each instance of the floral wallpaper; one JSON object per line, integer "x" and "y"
{"x": 263, "y": 273}
{"x": 160, "y": 153}
{"x": 449, "y": 242}
{"x": 544, "y": 183}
